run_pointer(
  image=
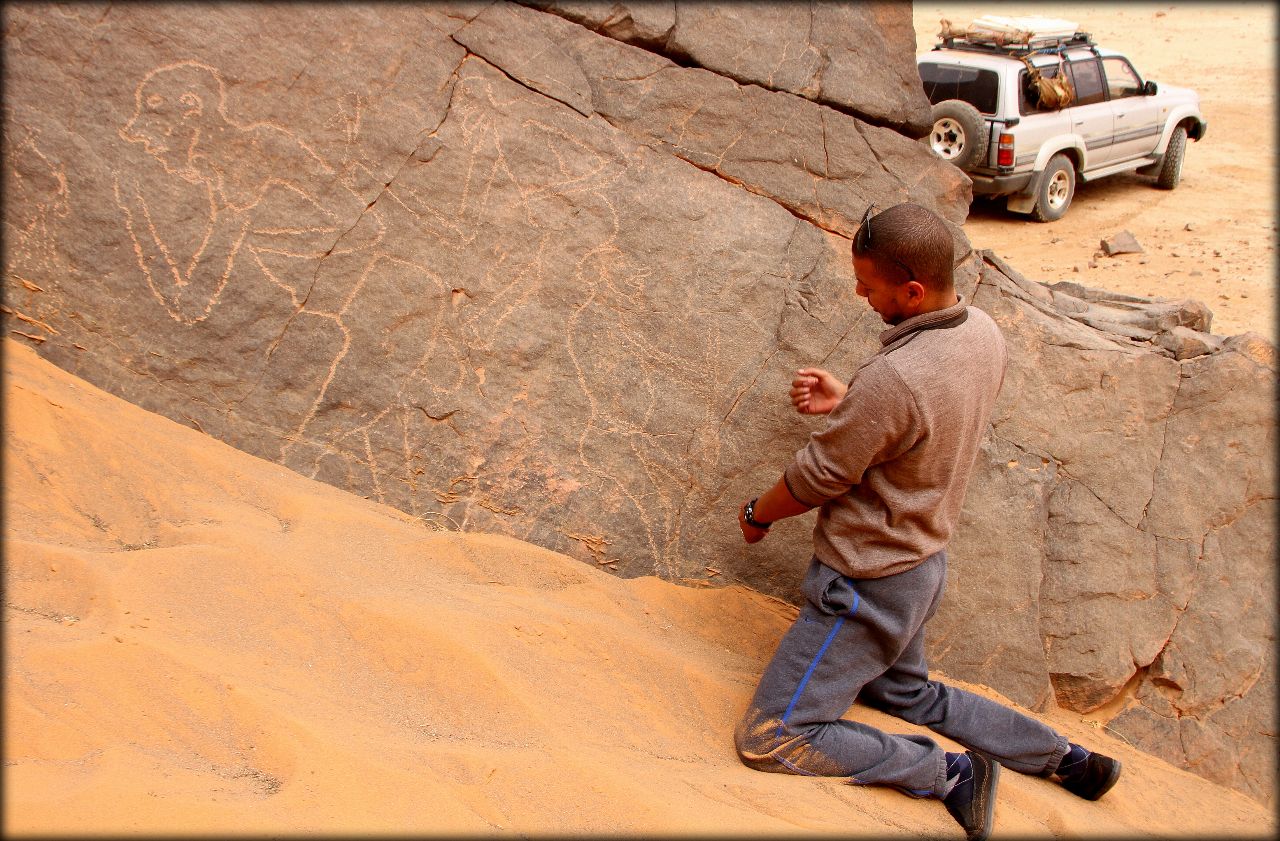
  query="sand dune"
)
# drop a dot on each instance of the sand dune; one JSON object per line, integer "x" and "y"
{"x": 202, "y": 641}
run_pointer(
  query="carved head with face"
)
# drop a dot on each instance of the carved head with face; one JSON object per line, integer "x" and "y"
{"x": 173, "y": 106}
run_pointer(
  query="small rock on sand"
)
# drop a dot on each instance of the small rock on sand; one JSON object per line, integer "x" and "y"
{"x": 1121, "y": 243}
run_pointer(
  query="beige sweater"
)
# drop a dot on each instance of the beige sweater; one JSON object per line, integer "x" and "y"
{"x": 890, "y": 469}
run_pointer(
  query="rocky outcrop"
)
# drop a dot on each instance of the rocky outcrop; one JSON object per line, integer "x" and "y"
{"x": 505, "y": 273}
{"x": 826, "y": 52}
{"x": 1113, "y": 479}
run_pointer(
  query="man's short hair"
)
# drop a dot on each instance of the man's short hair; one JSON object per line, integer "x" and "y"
{"x": 909, "y": 242}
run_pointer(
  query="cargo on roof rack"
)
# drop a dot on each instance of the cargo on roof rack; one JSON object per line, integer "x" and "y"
{"x": 1013, "y": 36}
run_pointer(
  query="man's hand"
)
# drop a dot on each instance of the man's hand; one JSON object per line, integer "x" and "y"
{"x": 750, "y": 533}
{"x": 815, "y": 391}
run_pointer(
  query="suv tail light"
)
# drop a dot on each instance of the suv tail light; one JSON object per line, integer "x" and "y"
{"x": 1004, "y": 151}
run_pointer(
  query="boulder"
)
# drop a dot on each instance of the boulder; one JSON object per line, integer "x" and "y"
{"x": 1174, "y": 328}
{"x": 507, "y": 274}
{"x": 439, "y": 286}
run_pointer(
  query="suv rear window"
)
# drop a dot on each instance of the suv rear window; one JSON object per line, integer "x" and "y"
{"x": 979, "y": 88}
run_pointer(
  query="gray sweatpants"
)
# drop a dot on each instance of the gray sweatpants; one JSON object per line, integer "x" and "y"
{"x": 864, "y": 639}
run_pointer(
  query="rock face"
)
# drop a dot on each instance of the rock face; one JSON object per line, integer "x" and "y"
{"x": 507, "y": 273}
{"x": 822, "y": 165}
{"x": 826, "y": 52}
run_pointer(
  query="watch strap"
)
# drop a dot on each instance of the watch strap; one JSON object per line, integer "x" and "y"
{"x": 750, "y": 516}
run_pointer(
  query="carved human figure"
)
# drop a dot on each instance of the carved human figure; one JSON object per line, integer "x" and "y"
{"x": 37, "y": 199}
{"x": 237, "y": 187}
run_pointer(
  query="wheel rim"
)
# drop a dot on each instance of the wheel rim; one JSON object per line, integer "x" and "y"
{"x": 948, "y": 138}
{"x": 1059, "y": 191}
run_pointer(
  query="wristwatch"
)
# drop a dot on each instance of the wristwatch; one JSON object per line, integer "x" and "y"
{"x": 750, "y": 516}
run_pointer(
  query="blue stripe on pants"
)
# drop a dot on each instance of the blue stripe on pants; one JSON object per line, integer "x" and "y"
{"x": 813, "y": 666}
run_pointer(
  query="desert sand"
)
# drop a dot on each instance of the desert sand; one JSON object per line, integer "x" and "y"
{"x": 200, "y": 641}
{"x": 1213, "y": 237}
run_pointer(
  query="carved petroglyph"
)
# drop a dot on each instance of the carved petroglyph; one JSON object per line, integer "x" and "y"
{"x": 409, "y": 335}
{"x": 401, "y": 313}
{"x": 404, "y": 321}
{"x": 414, "y": 324}
{"x": 190, "y": 239}
{"x": 408, "y": 380}
{"x": 346, "y": 117}
{"x": 37, "y": 196}
{"x": 180, "y": 117}
{"x": 628, "y": 448}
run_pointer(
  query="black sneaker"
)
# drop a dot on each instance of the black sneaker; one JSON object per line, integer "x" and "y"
{"x": 976, "y": 814}
{"x": 1098, "y": 777}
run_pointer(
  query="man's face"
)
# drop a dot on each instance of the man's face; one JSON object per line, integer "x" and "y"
{"x": 890, "y": 300}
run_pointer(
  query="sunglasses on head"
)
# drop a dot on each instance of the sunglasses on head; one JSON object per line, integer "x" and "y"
{"x": 862, "y": 242}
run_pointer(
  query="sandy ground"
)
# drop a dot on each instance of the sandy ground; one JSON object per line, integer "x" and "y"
{"x": 199, "y": 641}
{"x": 1213, "y": 237}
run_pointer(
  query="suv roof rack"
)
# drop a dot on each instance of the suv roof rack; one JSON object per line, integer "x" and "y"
{"x": 974, "y": 42}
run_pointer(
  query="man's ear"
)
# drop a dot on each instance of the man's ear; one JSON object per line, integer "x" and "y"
{"x": 915, "y": 291}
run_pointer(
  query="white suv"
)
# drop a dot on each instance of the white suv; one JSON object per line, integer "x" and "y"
{"x": 989, "y": 121}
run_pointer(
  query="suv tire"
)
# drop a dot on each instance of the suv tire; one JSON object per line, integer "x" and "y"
{"x": 1171, "y": 169}
{"x": 959, "y": 134}
{"x": 1056, "y": 188}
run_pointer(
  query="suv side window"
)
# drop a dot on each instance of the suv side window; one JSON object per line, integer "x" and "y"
{"x": 979, "y": 88}
{"x": 1086, "y": 77}
{"x": 1121, "y": 78}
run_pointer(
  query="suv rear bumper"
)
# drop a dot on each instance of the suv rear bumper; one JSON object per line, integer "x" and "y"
{"x": 1000, "y": 185}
